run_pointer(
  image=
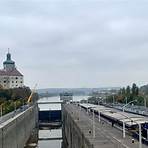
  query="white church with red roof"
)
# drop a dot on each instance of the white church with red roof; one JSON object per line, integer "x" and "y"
{"x": 10, "y": 77}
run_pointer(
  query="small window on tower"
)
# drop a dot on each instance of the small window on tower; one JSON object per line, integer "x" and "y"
{"x": 16, "y": 78}
{"x": 4, "y": 81}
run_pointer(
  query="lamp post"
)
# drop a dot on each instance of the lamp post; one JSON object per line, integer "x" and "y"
{"x": 94, "y": 134}
{"x": 99, "y": 111}
{"x": 79, "y": 111}
{"x": 99, "y": 116}
{"x": 126, "y": 99}
{"x": 144, "y": 97}
{"x": 139, "y": 125}
{"x": 113, "y": 99}
{"x": 123, "y": 111}
{"x": 145, "y": 102}
{"x": 87, "y": 106}
{"x": 101, "y": 100}
{"x": 15, "y": 107}
{"x": 1, "y": 110}
{"x": 123, "y": 108}
{"x": 140, "y": 137}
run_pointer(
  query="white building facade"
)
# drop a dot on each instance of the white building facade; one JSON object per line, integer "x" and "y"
{"x": 10, "y": 77}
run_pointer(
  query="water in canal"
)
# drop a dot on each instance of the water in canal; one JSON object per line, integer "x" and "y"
{"x": 56, "y": 133}
{"x": 50, "y": 134}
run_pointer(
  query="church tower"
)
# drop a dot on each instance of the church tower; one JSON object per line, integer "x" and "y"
{"x": 9, "y": 64}
{"x": 10, "y": 77}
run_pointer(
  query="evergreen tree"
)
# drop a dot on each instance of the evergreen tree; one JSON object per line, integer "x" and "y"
{"x": 128, "y": 91}
{"x": 134, "y": 87}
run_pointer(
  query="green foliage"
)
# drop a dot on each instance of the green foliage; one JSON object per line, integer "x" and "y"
{"x": 11, "y": 99}
{"x": 129, "y": 93}
{"x": 14, "y": 94}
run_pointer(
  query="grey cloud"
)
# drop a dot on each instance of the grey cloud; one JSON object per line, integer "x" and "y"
{"x": 101, "y": 42}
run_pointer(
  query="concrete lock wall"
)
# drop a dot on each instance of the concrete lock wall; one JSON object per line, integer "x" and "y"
{"x": 0, "y": 138}
{"x": 15, "y": 132}
{"x": 71, "y": 132}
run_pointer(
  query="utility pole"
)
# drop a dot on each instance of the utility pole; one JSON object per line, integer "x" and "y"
{"x": 94, "y": 134}
{"x": 140, "y": 136}
{"x": 79, "y": 111}
{"x": 123, "y": 129}
{"x": 145, "y": 102}
{"x": 99, "y": 116}
{"x": 15, "y": 108}
{"x": 87, "y": 106}
{"x": 1, "y": 111}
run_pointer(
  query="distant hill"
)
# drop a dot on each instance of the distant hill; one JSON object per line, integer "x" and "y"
{"x": 75, "y": 91}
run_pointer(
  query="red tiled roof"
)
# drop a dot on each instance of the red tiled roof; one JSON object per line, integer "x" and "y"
{"x": 13, "y": 72}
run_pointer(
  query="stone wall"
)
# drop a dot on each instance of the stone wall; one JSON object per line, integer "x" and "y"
{"x": 72, "y": 135}
{"x": 15, "y": 132}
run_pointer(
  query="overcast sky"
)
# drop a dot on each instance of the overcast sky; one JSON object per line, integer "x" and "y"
{"x": 76, "y": 43}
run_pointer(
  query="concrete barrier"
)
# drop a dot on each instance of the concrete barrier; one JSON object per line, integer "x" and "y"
{"x": 72, "y": 134}
{"x": 1, "y": 137}
{"x": 15, "y": 132}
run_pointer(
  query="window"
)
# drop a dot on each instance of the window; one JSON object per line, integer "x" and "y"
{"x": 4, "y": 81}
{"x": 16, "y": 78}
{"x": 12, "y": 81}
{"x": 16, "y": 81}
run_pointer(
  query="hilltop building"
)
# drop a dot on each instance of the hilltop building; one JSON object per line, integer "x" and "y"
{"x": 10, "y": 77}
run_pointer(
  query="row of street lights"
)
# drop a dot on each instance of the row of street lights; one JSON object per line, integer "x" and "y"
{"x": 123, "y": 109}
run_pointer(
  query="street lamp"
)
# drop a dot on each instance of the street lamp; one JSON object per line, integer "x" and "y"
{"x": 123, "y": 111}
{"x": 104, "y": 110}
{"x": 87, "y": 106}
{"x": 123, "y": 108}
{"x": 144, "y": 99}
{"x": 94, "y": 134}
{"x": 145, "y": 102}
{"x": 126, "y": 99}
{"x": 101, "y": 100}
{"x": 15, "y": 107}
{"x": 1, "y": 110}
{"x": 113, "y": 99}
{"x": 79, "y": 111}
{"x": 140, "y": 134}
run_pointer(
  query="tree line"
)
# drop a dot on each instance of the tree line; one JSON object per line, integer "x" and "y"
{"x": 11, "y": 99}
{"x": 129, "y": 93}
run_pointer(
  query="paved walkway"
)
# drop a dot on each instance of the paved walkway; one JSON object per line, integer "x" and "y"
{"x": 106, "y": 136}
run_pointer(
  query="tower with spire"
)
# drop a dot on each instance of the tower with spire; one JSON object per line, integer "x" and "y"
{"x": 10, "y": 77}
{"x": 9, "y": 64}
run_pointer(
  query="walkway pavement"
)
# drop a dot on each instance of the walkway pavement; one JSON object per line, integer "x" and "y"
{"x": 106, "y": 136}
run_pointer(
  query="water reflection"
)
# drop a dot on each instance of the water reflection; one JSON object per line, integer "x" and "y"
{"x": 45, "y": 134}
{"x": 50, "y": 144}
{"x": 55, "y": 133}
